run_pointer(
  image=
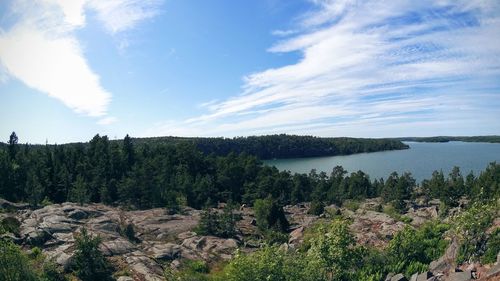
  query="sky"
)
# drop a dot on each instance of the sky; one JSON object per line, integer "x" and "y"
{"x": 70, "y": 69}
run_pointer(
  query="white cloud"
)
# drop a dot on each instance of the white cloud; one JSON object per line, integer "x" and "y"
{"x": 42, "y": 51}
{"x": 368, "y": 67}
{"x": 119, "y": 15}
{"x": 107, "y": 121}
{"x": 55, "y": 66}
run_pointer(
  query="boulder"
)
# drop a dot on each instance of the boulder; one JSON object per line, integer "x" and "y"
{"x": 144, "y": 268}
{"x": 5, "y": 204}
{"x": 494, "y": 271}
{"x": 115, "y": 247}
{"x": 77, "y": 215}
{"x": 398, "y": 277}
{"x": 447, "y": 262}
{"x": 167, "y": 251}
{"x": 296, "y": 236}
{"x": 460, "y": 276}
{"x": 61, "y": 255}
{"x": 421, "y": 277}
{"x": 104, "y": 224}
{"x": 125, "y": 278}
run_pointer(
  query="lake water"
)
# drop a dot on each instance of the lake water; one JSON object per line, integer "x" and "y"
{"x": 421, "y": 160}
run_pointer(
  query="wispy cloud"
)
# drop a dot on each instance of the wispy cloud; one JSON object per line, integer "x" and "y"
{"x": 107, "y": 120}
{"x": 41, "y": 48}
{"x": 119, "y": 15}
{"x": 371, "y": 68}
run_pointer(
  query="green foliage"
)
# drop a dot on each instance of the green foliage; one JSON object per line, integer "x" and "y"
{"x": 191, "y": 270}
{"x": 270, "y": 216}
{"x": 217, "y": 224}
{"x": 271, "y": 263}
{"x": 470, "y": 226}
{"x": 89, "y": 263}
{"x": 10, "y": 224}
{"x": 351, "y": 205}
{"x": 492, "y": 247}
{"x": 412, "y": 249}
{"x": 79, "y": 193}
{"x": 173, "y": 172}
{"x": 14, "y": 264}
{"x": 317, "y": 208}
{"x": 334, "y": 251}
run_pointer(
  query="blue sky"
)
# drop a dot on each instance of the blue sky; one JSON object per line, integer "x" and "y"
{"x": 71, "y": 69}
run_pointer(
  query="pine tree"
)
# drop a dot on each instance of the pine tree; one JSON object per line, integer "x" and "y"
{"x": 79, "y": 192}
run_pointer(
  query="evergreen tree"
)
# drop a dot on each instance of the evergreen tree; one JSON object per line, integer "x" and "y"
{"x": 79, "y": 193}
{"x": 89, "y": 263}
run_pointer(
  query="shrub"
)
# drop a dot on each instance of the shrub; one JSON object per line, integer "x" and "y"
{"x": 270, "y": 216}
{"x": 317, "y": 208}
{"x": 11, "y": 224}
{"x": 271, "y": 263}
{"x": 492, "y": 247}
{"x": 334, "y": 251}
{"x": 351, "y": 205}
{"x": 410, "y": 250}
{"x": 221, "y": 225}
{"x": 89, "y": 263}
{"x": 470, "y": 226}
{"x": 14, "y": 264}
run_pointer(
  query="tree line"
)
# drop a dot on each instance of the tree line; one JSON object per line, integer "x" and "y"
{"x": 283, "y": 146}
{"x": 165, "y": 174}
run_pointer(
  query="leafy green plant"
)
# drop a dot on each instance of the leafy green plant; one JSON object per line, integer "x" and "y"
{"x": 270, "y": 215}
{"x": 317, "y": 208}
{"x": 470, "y": 227}
{"x": 89, "y": 263}
{"x": 11, "y": 224}
{"x": 492, "y": 247}
{"x": 14, "y": 264}
{"x": 218, "y": 224}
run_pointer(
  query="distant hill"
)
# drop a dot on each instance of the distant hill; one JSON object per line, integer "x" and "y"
{"x": 490, "y": 139}
{"x": 283, "y": 146}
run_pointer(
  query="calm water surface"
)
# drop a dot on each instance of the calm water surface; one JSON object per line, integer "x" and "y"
{"x": 421, "y": 160}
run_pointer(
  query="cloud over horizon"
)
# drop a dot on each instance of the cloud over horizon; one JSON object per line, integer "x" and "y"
{"x": 369, "y": 68}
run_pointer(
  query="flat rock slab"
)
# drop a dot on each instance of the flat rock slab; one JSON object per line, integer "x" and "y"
{"x": 460, "y": 276}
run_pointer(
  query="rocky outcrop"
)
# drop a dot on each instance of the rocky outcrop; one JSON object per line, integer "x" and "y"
{"x": 446, "y": 262}
{"x": 4, "y": 204}
{"x": 373, "y": 228}
{"x": 421, "y": 215}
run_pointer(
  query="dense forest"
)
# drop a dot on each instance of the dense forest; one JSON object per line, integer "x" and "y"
{"x": 165, "y": 174}
{"x": 491, "y": 139}
{"x": 282, "y": 146}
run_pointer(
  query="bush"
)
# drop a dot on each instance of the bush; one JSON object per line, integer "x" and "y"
{"x": 270, "y": 216}
{"x": 14, "y": 264}
{"x": 221, "y": 225}
{"x": 470, "y": 226}
{"x": 11, "y": 224}
{"x": 334, "y": 251}
{"x": 89, "y": 263}
{"x": 128, "y": 231}
{"x": 411, "y": 250}
{"x": 317, "y": 208}
{"x": 351, "y": 205}
{"x": 271, "y": 263}
{"x": 492, "y": 247}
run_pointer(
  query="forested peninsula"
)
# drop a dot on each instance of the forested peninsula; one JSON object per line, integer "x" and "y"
{"x": 282, "y": 146}
{"x": 490, "y": 139}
